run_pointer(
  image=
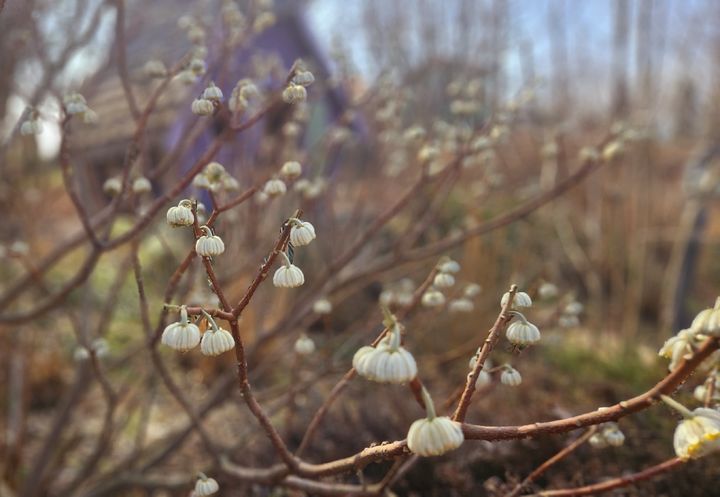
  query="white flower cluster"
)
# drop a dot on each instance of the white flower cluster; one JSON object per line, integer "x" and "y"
{"x": 243, "y": 92}
{"x": 181, "y": 214}
{"x": 214, "y": 177}
{"x": 75, "y": 104}
{"x": 683, "y": 345}
{"x": 389, "y": 362}
{"x": 295, "y": 91}
{"x": 434, "y": 435}
{"x": 698, "y": 434}
{"x": 289, "y": 275}
{"x": 608, "y": 434}
{"x": 205, "y": 105}
{"x": 205, "y": 486}
{"x": 32, "y": 125}
{"x": 185, "y": 335}
{"x": 570, "y": 316}
{"x": 520, "y": 332}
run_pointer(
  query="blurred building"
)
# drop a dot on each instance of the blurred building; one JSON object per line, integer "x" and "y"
{"x": 152, "y": 32}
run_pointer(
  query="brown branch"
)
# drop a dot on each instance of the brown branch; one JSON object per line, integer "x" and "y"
{"x": 122, "y": 68}
{"x": 492, "y": 338}
{"x": 562, "y": 454}
{"x": 350, "y": 374}
{"x": 623, "y": 481}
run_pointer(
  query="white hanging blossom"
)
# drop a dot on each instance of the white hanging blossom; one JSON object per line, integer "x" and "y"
{"x": 433, "y": 298}
{"x": 389, "y": 362}
{"x": 180, "y": 215}
{"x": 433, "y": 435}
{"x": 202, "y": 107}
{"x": 521, "y": 300}
{"x": 301, "y": 232}
{"x": 472, "y": 290}
{"x": 443, "y": 280}
{"x": 707, "y": 321}
{"x": 205, "y": 486}
{"x": 510, "y": 376}
{"x": 461, "y": 305}
{"x": 322, "y": 307}
{"x": 304, "y": 345}
{"x": 679, "y": 347}
{"x": 275, "y": 187}
{"x": 291, "y": 169}
{"x": 548, "y": 291}
{"x": 209, "y": 245}
{"x": 288, "y": 275}
{"x": 698, "y": 434}
{"x": 522, "y": 332}
{"x": 216, "y": 340}
{"x": 183, "y": 335}
{"x": 112, "y": 186}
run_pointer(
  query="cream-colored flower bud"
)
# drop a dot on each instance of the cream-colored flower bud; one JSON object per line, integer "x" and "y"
{"x": 302, "y": 233}
{"x": 275, "y": 187}
{"x": 180, "y": 215}
{"x": 230, "y": 184}
{"x": 263, "y": 21}
{"x": 197, "y": 66}
{"x": 301, "y": 185}
{"x": 388, "y": 363}
{"x": 568, "y": 321}
{"x": 202, "y": 107}
{"x": 574, "y": 308}
{"x": 186, "y": 77}
{"x": 588, "y": 154}
{"x": 212, "y": 93}
{"x": 304, "y": 345}
{"x": 209, "y": 245}
{"x": 698, "y": 434}
{"x": 521, "y": 300}
{"x": 679, "y": 347}
{"x": 449, "y": 266}
{"x": 322, "y": 307}
{"x": 31, "y": 127}
{"x": 472, "y": 290}
{"x": 202, "y": 181}
{"x": 597, "y": 441}
{"x": 183, "y": 335}
{"x": 90, "y": 116}
{"x": 74, "y": 103}
{"x": 483, "y": 379}
{"x": 141, "y": 185}
{"x": 707, "y": 321}
{"x": 461, "y": 305}
{"x": 303, "y": 78}
{"x": 613, "y": 150}
{"x": 522, "y": 332}
{"x": 214, "y": 172}
{"x": 433, "y": 298}
{"x": 205, "y": 486}
{"x": 443, "y": 280}
{"x": 155, "y": 68}
{"x": 428, "y": 153}
{"x": 434, "y": 435}
{"x": 216, "y": 341}
{"x": 112, "y": 186}
{"x": 291, "y": 169}
{"x": 613, "y": 435}
{"x": 548, "y": 291}
{"x": 288, "y": 275}
{"x": 294, "y": 93}
{"x": 510, "y": 376}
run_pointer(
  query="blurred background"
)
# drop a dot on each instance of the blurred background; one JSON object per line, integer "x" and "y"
{"x": 426, "y": 120}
